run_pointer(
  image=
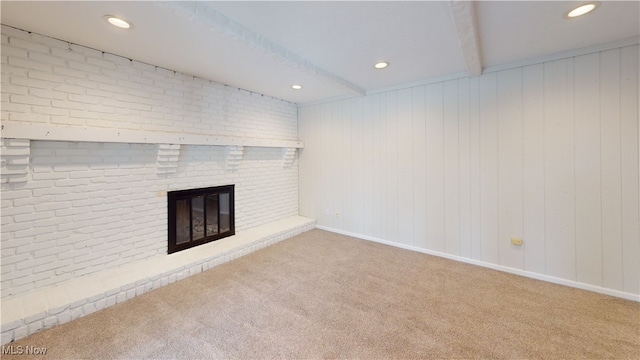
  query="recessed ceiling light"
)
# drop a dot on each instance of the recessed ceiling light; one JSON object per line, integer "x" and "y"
{"x": 582, "y": 10}
{"x": 296, "y": 87}
{"x": 118, "y": 22}
{"x": 381, "y": 65}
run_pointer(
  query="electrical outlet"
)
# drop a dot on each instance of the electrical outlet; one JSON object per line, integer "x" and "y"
{"x": 337, "y": 213}
{"x": 161, "y": 193}
{"x": 516, "y": 241}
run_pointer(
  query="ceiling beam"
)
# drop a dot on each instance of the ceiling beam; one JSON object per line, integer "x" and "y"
{"x": 203, "y": 14}
{"x": 464, "y": 19}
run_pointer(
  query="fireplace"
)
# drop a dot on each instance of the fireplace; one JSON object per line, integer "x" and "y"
{"x": 199, "y": 216}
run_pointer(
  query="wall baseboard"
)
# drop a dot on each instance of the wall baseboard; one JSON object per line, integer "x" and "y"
{"x": 529, "y": 274}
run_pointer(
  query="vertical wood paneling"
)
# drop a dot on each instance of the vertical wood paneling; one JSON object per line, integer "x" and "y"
{"x": 369, "y": 179}
{"x": 405, "y": 167}
{"x": 435, "y": 168}
{"x": 474, "y": 166}
{"x": 587, "y": 170}
{"x": 419, "y": 168}
{"x": 464, "y": 167}
{"x": 533, "y": 168}
{"x": 345, "y": 207}
{"x": 358, "y": 164}
{"x": 630, "y": 164}
{"x": 559, "y": 179}
{"x": 321, "y": 157}
{"x": 392, "y": 166}
{"x": 326, "y": 168}
{"x": 314, "y": 161}
{"x": 336, "y": 165}
{"x": 510, "y": 179}
{"x": 380, "y": 173}
{"x": 611, "y": 170}
{"x": 489, "y": 168}
{"x": 546, "y": 152}
{"x": 451, "y": 169}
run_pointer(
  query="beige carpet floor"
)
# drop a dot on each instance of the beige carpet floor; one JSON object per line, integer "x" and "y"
{"x": 323, "y": 295}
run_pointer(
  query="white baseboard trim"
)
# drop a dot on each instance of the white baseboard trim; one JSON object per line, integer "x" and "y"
{"x": 529, "y": 274}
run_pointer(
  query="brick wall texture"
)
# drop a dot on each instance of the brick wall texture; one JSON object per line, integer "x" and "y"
{"x": 75, "y": 208}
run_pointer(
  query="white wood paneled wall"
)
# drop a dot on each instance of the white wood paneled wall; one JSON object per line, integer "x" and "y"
{"x": 545, "y": 152}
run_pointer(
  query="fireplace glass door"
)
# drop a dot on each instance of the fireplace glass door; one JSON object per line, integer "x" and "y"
{"x": 198, "y": 216}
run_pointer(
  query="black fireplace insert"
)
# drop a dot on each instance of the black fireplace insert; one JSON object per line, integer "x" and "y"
{"x": 199, "y": 216}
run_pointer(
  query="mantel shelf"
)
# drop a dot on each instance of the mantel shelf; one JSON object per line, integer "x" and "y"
{"x": 33, "y": 131}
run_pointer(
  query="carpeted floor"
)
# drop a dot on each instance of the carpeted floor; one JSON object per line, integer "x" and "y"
{"x": 324, "y": 295}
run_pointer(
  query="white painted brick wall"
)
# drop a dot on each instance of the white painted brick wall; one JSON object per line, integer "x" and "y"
{"x": 49, "y": 81}
{"x": 80, "y": 213}
{"x": 82, "y": 208}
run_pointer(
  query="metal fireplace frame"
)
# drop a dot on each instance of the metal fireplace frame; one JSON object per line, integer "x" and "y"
{"x": 172, "y": 199}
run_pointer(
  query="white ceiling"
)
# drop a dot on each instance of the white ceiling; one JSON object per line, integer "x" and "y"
{"x": 327, "y": 46}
